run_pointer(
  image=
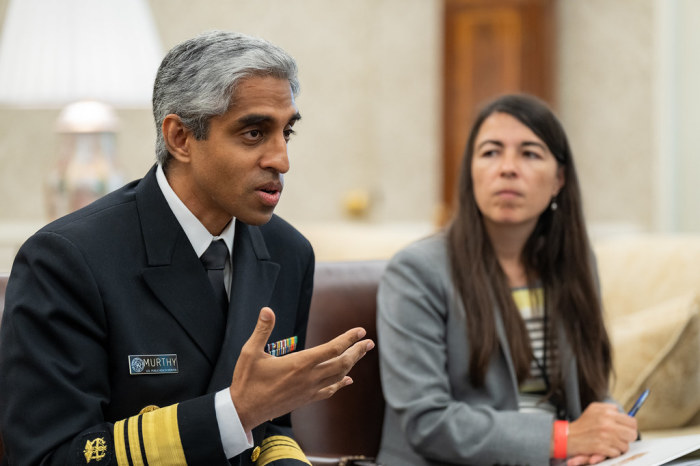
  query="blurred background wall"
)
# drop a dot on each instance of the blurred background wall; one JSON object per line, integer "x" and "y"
{"x": 368, "y": 157}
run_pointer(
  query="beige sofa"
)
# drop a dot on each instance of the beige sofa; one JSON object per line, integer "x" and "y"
{"x": 651, "y": 296}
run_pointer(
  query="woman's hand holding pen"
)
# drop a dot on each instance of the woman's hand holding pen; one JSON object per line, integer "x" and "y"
{"x": 601, "y": 432}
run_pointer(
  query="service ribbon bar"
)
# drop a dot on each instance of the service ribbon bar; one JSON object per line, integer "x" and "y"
{"x": 282, "y": 347}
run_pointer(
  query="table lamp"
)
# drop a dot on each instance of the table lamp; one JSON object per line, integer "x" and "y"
{"x": 87, "y": 57}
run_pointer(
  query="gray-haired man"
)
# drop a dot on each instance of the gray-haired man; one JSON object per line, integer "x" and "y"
{"x": 116, "y": 348}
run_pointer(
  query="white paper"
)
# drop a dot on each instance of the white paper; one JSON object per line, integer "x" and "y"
{"x": 656, "y": 452}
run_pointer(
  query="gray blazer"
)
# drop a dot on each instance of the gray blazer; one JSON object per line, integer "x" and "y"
{"x": 433, "y": 413}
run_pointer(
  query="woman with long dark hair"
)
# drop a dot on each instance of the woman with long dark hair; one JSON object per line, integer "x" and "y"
{"x": 491, "y": 336}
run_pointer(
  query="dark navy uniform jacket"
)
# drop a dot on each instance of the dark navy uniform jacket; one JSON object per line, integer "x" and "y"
{"x": 119, "y": 280}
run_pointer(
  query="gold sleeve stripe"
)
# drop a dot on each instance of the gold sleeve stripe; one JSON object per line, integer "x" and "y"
{"x": 161, "y": 436}
{"x": 143, "y": 447}
{"x": 134, "y": 444}
{"x": 280, "y": 447}
{"x": 155, "y": 434}
{"x": 119, "y": 446}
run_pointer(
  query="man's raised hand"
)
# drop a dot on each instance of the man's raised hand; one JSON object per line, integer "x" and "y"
{"x": 265, "y": 387}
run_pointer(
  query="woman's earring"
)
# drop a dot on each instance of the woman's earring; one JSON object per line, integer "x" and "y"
{"x": 553, "y": 205}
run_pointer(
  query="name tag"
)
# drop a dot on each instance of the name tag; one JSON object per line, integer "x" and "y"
{"x": 153, "y": 364}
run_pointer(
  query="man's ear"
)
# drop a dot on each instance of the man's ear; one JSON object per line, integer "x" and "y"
{"x": 177, "y": 137}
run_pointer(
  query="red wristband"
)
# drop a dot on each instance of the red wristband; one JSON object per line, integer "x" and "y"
{"x": 561, "y": 434}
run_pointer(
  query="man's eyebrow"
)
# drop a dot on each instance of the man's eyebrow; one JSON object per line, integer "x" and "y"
{"x": 253, "y": 119}
{"x": 256, "y": 119}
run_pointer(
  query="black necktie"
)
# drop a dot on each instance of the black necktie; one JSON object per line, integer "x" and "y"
{"x": 214, "y": 259}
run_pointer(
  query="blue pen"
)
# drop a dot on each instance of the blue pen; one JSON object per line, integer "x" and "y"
{"x": 640, "y": 401}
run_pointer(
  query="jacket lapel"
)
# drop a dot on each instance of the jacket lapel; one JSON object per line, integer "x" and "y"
{"x": 254, "y": 278}
{"x": 174, "y": 272}
{"x": 505, "y": 353}
{"x": 570, "y": 373}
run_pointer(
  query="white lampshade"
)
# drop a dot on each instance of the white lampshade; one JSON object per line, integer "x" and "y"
{"x": 87, "y": 116}
{"x": 56, "y": 52}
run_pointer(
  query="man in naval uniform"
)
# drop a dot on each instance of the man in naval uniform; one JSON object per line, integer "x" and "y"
{"x": 138, "y": 330}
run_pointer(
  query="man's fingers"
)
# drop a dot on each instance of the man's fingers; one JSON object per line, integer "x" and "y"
{"x": 333, "y": 370}
{"x": 263, "y": 329}
{"x": 330, "y": 390}
{"x": 336, "y": 346}
{"x": 357, "y": 351}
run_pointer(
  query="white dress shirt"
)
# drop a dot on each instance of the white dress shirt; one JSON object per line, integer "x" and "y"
{"x": 234, "y": 439}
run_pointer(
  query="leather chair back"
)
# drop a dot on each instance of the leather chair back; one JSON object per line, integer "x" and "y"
{"x": 350, "y": 422}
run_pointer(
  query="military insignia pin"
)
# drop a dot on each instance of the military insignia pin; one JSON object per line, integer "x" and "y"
{"x": 282, "y": 347}
{"x": 96, "y": 449}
